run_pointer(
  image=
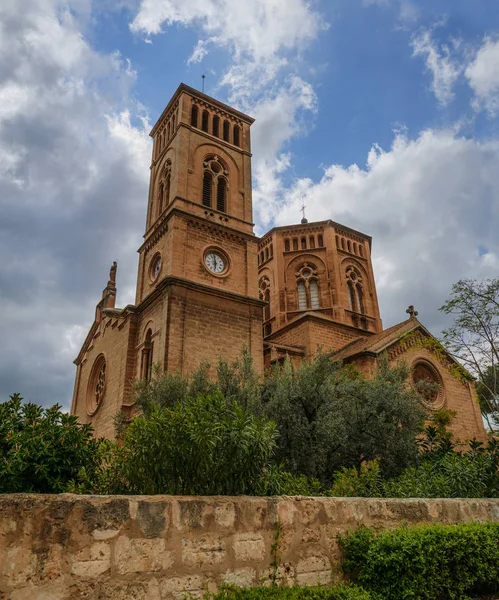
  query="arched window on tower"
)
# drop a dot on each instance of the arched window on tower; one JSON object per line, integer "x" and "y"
{"x": 147, "y": 354}
{"x": 168, "y": 132}
{"x": 226, "y": 131}
{"x": 173, "y": 124}
{"x": 161, "y": 195}
{"x": 221, "y": 195}
{"x": 216, "y": 126}
{"x": 303, "y": 243}
{"x": 207, "y": 185}
{"x": 194, "y": 115}
{"x": 167, "y": 189}
{"x": 355, "y": 290}
{"x": 314, "y": 295}
{"x": 302, "y": 295}
{"x": 286, "y": 245}
{"x": 204, "y": 121}
{"x": 307, "y": 288}
{"x": 236, "y": 136}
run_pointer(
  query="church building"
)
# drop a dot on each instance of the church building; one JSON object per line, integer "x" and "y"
{"x": 207, "y": 285}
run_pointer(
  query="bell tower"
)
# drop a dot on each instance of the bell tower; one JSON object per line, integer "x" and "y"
{"x": 199, "y": 247}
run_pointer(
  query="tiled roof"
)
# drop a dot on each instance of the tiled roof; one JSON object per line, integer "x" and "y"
{"x": 378, "y": 342}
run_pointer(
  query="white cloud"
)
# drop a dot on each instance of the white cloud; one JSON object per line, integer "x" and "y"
{"x": 429, "y": 204}
{"x": 445, "y": 70}
{"x": 483, "y": 76}
{"x": 73, "y": 179}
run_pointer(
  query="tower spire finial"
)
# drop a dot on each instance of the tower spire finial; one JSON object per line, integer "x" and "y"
{"x": 203, "y": 77}
{"x": 304, "y": 219}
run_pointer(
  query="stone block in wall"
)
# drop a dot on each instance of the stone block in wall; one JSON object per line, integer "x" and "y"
{"x": 203, "y": 552}
{"x": 249, "y": 546}
{"x": 136, "y": 555}
{"x": 92, "y": 560}
{"x": 240, "y": 577}
{"x": 315, "y": 570}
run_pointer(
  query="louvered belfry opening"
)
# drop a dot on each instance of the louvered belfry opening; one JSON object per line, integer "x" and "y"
{"x": 221, "y": 194}
{"x": 207, "y": 183}
{"x": 216, "y": 126}
{"x": 194, "y": 116}
{"x": 236, "y": 136}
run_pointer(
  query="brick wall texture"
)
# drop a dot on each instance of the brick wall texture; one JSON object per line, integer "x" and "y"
{"x": 163, "y": 548}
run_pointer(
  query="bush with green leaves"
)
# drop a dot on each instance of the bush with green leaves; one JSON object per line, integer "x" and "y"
{"x": 43, "y": 449}
{"x": 337, "y": 592}
{"x": 424, "y": 562}
{"x": 203, "y": 445}
{"x": 330, "y": 417}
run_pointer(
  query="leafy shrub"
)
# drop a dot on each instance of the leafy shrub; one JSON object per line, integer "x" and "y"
{"x": 206, "y": 445}
{"x": 42, "y": 449}
{"x": 425, "y": 562}
{"x": 366, "y": 482}
{"x": 339, "y": 592}
{"x": 330, "y": 417}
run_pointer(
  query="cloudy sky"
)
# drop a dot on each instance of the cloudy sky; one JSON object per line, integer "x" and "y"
{"x": 380, "y": 114}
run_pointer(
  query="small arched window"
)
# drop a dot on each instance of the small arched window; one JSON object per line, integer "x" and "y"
{"x": 173, "y": 124}
{"x": 286, "y": 245}
{"x": 262, "y": 256}
{"x": 337, "y": 241}
{"x": 303, "y": 243}
{"x": 216, "y": 126}
{"x": 321, "y": 241}
{"x": 302, "y": 295}
{"x": 267, "y": 253}
{"x": 343, "y": 245}
{"x": 311, "y": 241}
{"x": 168, "y": 132}
{"x": 349, "y": 245}
{"x": 295, "y": 243}
{"x": 194, "y": 115}
{"x": 226, "y": 131}
{"x": 207, "y": 185}
{"x": 360, "y": 297}
{"x": 361, "y": 251}
{"x": 221, "y": 194}
{"x": 271, "y": 249}
{"x": 355, "y": 248}
{"x": 355, "y": 290}
{"x": 204, "y": 121}
{"x": 236, "y": 136}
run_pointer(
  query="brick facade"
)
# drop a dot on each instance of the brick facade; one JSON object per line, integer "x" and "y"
{"x": 207, "y": 286}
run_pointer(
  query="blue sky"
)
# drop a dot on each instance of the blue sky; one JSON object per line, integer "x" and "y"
{"x": 380, "y": 114}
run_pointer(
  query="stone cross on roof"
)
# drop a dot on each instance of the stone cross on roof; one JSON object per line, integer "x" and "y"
{"x": 412, "y": 312}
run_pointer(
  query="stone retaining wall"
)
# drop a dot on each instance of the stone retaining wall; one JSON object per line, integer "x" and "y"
{"x": 70, "y": 547}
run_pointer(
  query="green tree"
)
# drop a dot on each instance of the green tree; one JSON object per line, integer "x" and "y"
{"x": 330, "y": 417}
{"x": 43, "y": 449}
{"x": 474, "y": 337}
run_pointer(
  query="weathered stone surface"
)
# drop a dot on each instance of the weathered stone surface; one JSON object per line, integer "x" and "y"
{"x": 92, "y": 560}
{"x": 162, "y": 548}
{"x": 136, "y": 555}
{"x": 249, "y": 546}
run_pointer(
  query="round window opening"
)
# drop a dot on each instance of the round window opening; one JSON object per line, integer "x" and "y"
{"x": 96, "y": 385}
{"x": 429, "y": 384}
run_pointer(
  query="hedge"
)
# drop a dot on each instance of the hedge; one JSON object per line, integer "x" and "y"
{"x": 337, "y": 592}
{"x": 427, "y": 562}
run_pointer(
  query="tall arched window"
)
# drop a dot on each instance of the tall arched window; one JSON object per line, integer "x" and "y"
{"x": 307, "y": 288}
{"x": 351, "y": 296}
{"x": 167, "y": 189}
{"x": 204, "y": 121}
{"x": 161, "y": 197}
{"x": 221, "y": 194}
{"x": 236, "y": 136}
{"x": 361, "y": 251}
{"x": 147, "y": 356}
{"x": 216, "y": 126}
{"x": 303, "y": 243}
{"x": 286, "y": 245}
{"x": 302, "y": 295}
{"x": 168, "y": 132}
{"x": 207, "y": 185}
{"x": 355, "y": 289}
{"x": 173, "y": 124}
{"x": 226, "y": 131}
{"x": 314, "y": 295}
{"x": 215, "y": 183}
{"x": 194, "y": 115}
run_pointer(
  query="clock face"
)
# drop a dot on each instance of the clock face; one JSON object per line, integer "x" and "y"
{"x": 156, "y": 268}
{"x": 215, "y": 262}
